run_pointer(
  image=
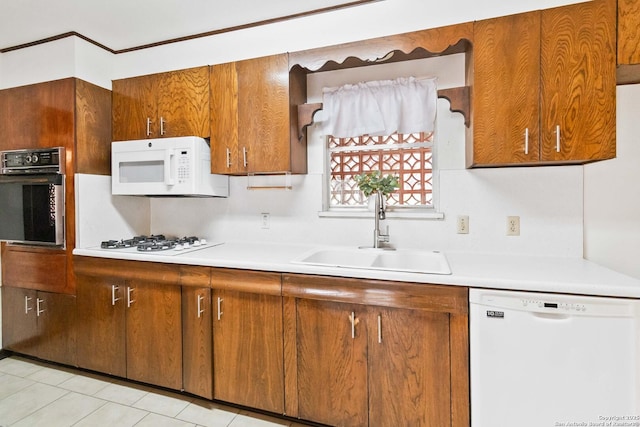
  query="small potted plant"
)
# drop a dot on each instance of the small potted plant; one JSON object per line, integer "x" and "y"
{"x": 374, "y": 182}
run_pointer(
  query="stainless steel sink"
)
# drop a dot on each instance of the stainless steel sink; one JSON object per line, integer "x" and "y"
{"x": 406, "y": 260}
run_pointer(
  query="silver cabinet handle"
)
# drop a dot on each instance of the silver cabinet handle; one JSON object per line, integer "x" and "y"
{"x": 219, "y": 307}
{"x": 148, "y": 126}
{"x": 354, "y": 322}
{"x": 526, "y": 141}
{"x": 228, "y": 158}
{"x": 114, "y": 288}
{"x": 129, "y": 300}
{"x": 200, "y": 309}
{"x": 38, "y": 310}
{"x": 162, "y": 122}
{"x": 27, "y": 309}
{"x": 244, "y": 156}
{"x": 558, "y": 138}
{"x": 379, "y": 329}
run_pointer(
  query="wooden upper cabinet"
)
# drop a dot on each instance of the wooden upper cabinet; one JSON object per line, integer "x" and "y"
{"x": 254, "y": 119}
{"x": 170, "y": 104}
{"x": 37, "y": 116}
{"x": 629, "y": 36}
{"x": 578, "y": 82}
{"x": 506, "y": 100}
{"x": 544, "y": 87}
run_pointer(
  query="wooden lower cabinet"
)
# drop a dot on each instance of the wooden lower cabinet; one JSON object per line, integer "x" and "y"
{"x": 154, "y": 334}
{"x": 197, "y": 342}
{"x": 39, "y": 324}
{"x": 376, "y": 353}
{"x": 332, "y": 363}
{"x": 409, "y": 367}
{"x": 131, "y": 329}
{"x": 248, "y": 364}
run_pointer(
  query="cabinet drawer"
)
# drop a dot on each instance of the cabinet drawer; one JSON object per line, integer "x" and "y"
{"x": 34, "y": 268}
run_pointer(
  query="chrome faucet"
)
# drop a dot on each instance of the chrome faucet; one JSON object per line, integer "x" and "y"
{"x": 379, "y": 238}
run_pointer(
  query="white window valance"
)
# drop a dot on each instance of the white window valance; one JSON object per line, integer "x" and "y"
{"x": 404, "y": 105}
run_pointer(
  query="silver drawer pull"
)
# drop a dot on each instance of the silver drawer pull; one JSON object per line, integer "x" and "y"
{"x": 200, "y": 309}
{"x": 114, "y": 288}
{"x": 27, "y": 309}
{"x": 129, "y": 299}
{"x": 38, "y": 310}
{"x": 219, "y": 307}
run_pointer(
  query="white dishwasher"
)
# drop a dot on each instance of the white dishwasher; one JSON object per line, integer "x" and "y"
{"x": 547, "y": 360}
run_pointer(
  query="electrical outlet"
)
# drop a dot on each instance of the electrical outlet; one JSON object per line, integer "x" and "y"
{"x": 463, "y": 224}
{"x": 265, "y": 220}
{"x": 513, "y": 226}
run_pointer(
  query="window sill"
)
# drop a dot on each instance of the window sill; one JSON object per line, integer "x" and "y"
{"x": 363, "y": 213}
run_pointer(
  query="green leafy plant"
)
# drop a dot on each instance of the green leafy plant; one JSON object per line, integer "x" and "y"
{"x": 372, "y": 182}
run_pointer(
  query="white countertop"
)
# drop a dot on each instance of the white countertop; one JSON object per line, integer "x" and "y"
{"x": 514, "y": 272}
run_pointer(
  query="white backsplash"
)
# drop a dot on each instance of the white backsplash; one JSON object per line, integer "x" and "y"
{"x": 101, "y": 216}
{"x": 548, "y": 201}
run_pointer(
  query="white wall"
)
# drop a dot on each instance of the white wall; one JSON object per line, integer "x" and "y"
{"x": 612, "y": 194}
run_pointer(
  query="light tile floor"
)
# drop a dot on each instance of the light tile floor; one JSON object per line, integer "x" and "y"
{"x": 34, "y": 394}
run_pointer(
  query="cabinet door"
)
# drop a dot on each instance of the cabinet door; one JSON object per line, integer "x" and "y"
{"x": 101, "y": 325}
{"x": 224, "y": 120}
{"x": 409, "y": 367}
{"x": 183, "y": 103}
{"x": 628, "y": 32}
{"x": 197, "y": 338}
{"x": 506, "y": 90}
{"x": 19, "y": 324}
{"x": 154, "y": 334}
{"x": 248, "y": 349}
{"x": 134, "y": 102}
{"x": 332, "y": 363}
{"x": 263, "y": 113}
{"x": 37, "y": 116}
{"x": 56, "y": 327}
{"x": 578, "y": 82}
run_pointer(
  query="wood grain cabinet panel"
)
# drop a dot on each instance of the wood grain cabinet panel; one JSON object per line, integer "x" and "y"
{"x": 154, "y": 334}
{"x": 544, "y": 87}
{"x": 170, "y": 104}
{"x": 42, "y": 324}
{"x": 197, "y": 341}
{"x": 578, "y": 82}
{"x": 409, "y": 367}
{"x": 253, "y": 121}
{"x": 506, "y": 100}
{"x": 248, "y": 349}
{"x": 628, "y": 32}
{"x": 101, "y": 324}
{"x": 332, "y": 363}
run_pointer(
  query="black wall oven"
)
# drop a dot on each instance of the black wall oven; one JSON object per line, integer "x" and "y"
{"x": 32, "y": 196}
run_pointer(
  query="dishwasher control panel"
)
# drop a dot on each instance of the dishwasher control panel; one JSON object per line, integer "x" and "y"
{"x": 559, "y": 306}
{"x": 497, "y": 301}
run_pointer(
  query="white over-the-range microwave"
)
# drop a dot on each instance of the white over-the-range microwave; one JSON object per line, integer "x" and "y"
{"x": 165, "y": 167}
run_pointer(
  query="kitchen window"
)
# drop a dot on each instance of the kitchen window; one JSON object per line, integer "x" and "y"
{"x": 393, "y": 123}
{"x": 407, "y": 156}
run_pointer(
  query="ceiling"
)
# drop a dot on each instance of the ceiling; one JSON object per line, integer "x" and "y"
{"x": 126, "y": 24}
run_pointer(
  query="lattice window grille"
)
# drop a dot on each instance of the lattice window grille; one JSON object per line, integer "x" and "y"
{"x": 408, "y": 156}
